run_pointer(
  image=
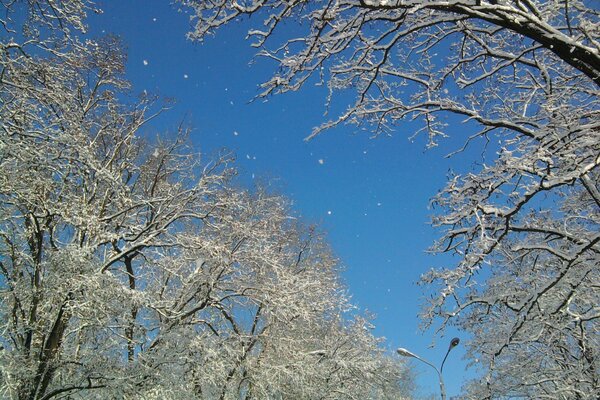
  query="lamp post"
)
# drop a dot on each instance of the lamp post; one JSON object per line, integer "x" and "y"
{"x": 453, "y": 343}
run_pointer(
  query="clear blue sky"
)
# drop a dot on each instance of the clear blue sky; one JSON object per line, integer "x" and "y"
{"x": 369, "y": 195}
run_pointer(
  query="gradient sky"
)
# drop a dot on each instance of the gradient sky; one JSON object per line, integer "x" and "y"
{"x": 370, "y": 195}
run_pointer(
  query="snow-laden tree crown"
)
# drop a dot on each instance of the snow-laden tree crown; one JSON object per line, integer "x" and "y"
{"x": 132, "y": 268}
{"x": 523, "y": 76}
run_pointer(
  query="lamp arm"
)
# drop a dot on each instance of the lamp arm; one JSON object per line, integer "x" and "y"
{"x": 446, "y": 356}
{"x": 442, "y": 386}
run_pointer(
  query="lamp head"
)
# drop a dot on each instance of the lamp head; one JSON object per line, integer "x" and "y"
{"x": 454, "y": 342}
{"x": 405, "y": 353}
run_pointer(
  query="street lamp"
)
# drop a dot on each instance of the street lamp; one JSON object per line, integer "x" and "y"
{"x": 406, "y": 353}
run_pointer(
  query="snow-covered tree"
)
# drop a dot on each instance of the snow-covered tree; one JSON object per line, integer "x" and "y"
{"x": 523, "y": 75}
{"x": 131, "y": 268}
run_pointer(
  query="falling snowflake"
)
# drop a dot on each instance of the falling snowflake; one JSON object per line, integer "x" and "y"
{"x": 328, "y": 212}
{"x": 185, "y": 76}
{"x": 145, "y": 62}
{"x": 321, "y": 161}
{"x": 235, "y": 133}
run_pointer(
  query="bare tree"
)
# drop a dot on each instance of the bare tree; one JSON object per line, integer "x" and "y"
{"x": 524, "y": 77}
{"x": 132, "y": 268}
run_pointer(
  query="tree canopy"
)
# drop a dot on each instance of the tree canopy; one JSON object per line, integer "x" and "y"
{"x": 131, "y": 267}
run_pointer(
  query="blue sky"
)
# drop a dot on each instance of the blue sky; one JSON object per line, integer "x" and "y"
{"x": 370, "y": 195}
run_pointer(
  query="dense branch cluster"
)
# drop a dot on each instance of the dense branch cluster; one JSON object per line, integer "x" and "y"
{"x": 129, "y": 268}
{"x": 523, "y": 75}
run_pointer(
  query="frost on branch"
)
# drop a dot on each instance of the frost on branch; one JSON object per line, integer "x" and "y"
{"x": 523, "y": 75}
{"x": 134, "y": 269}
